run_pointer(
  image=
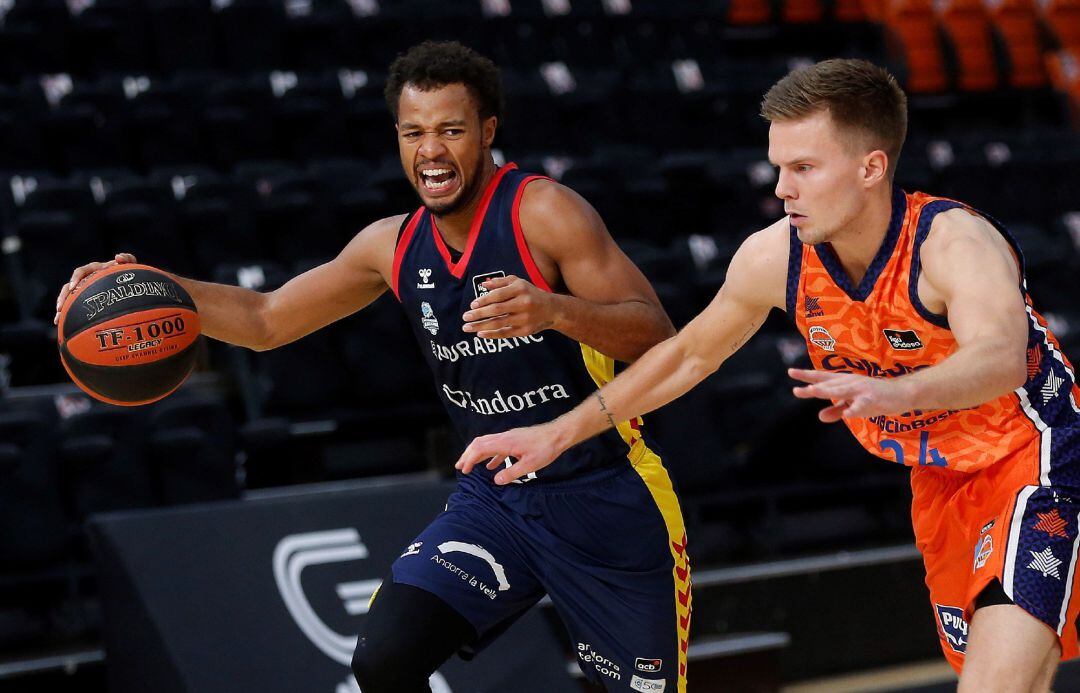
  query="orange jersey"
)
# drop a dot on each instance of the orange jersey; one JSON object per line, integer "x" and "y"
{"x": 881, "y": 329}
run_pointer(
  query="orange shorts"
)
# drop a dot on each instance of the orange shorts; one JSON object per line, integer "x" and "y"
{"x": 1005, "y": 522}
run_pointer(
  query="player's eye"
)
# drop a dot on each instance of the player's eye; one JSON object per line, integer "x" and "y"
{"x": 411, "y": 135}
{"x": 454, "y": 132}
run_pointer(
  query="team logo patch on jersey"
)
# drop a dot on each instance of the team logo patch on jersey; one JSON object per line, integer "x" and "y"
{"x": 953, "y": 626}
{"x": 821, "y": 337}
{"x": 983, "y": 548}
{"x": 649, "y": 666}
{"x": 425, "y": 279}
{"x": 1052, "y": 523}
{"x": 813, "y": 307}
{"x": 428, "y": 319}
{"x": 903, "y": 339}
{"x": 479, "y": 279}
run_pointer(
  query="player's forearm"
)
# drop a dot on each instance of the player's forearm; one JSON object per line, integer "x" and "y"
{"x": 624, "y": 331}
{"x": 972, "y": 375}
{"x": 230, "y": 313}
{"x": 663, "y": 374}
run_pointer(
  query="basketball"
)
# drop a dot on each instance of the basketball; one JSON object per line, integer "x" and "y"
{"x": 128, "y": 335}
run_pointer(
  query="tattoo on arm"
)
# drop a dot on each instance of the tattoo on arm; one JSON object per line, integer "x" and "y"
{"x": 605, "y": 410}
{"x": 746, "y": 336}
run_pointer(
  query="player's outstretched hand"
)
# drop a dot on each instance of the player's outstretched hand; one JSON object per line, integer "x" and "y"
{"x": 80, "y": 272}
{"x": 853, "y": 396}
{"x": 534, "y": 448}
{"x": 511, "y": 307}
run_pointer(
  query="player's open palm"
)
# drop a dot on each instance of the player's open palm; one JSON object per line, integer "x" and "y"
{"x": 510, "y": 307}
{"x": 530, "y": 449}
{"x": 853, "y": 396}
{"x": 81, "y": 272}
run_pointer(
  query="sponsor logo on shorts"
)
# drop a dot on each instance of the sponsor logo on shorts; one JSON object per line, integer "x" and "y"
{"x": 425, "y": 279}
{"x": 648, "y": 685}
{"x": 603, "y": 665}
{"x": 983, "y": 548}
{"x": 491, "y": 592}
{"x": 988, "y": 526}
{"x": 813, "y": 307}
{"x": 821, "y": 337}
{"x": 412, "y": 550}
{"x": 953, "y": 626}
{"x": 649, "y": 666}
{"x": 905, "y": 340}
{"x": 479, "y": 279}
{"x": 1045, "y": 562}
{"x": 1052, "y": 523}
{"x": 428, "y": 319}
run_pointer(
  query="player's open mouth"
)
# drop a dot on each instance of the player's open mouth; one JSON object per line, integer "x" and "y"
{"x": 437, "y": 180}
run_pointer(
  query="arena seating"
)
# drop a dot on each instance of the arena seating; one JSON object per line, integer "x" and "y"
{"x": 245, "y": 141}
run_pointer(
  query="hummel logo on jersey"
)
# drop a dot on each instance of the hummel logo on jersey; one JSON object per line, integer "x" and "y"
{"x": 813, "y": 307}
{"x": 1052, "y": 523}
{"x": 903, "y": 339}
{"x": 479, "y": 279}
{"x": 821, "y": 337}
{"x": 425, "y": 279}
{"x": 1051, "y": 386}
{"x": 1045, "y": 562}
{"x": 412, "y": 550}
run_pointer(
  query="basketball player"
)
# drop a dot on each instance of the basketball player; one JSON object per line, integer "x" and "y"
{"x": 521, "y": 303}
{"x": 925, "y": 342}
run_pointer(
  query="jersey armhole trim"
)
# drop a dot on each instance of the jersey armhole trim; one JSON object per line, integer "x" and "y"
{"x": 794, "y": 272}
{"x": 535, "y": 275}
{"x": 926, "y": 218}
{"x": 405, "y": 234}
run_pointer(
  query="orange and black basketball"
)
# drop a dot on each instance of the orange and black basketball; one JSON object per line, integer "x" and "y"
{"x": 128, "y": 334}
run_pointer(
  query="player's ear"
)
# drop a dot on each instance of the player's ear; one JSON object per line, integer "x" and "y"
{"x": 488, "y": 126}
{"x": 875, "y": 168}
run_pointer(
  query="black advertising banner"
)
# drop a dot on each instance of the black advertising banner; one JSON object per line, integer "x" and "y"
{"x": 267, "y": 595}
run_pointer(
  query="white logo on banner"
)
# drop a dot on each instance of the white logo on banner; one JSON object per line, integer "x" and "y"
{"x": 296, "y": 552}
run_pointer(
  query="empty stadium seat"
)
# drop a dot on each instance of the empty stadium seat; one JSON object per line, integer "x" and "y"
{"x": 967, "y": 24}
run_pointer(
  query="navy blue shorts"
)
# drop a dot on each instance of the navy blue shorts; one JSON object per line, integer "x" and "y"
{"x": 609, "y": 548}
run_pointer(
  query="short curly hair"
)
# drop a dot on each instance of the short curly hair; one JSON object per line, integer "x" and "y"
{"x": 435, "y": 64}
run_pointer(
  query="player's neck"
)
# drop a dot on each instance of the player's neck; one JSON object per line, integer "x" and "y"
{"x": 859, "y": 241}
{"x": 455, "y": 226}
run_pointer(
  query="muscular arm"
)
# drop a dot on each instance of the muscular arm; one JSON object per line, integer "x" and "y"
{"x": 608, "y": 304}
{"x": 968, "y": 266}
{"x": 755, "y": 284}
{"x": 314, "y": 299}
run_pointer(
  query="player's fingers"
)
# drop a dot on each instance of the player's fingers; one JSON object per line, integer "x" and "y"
{"x": 497, "y": 461}
{"x": 504, "y": 332}
{"x": 492, "y": 310}
{"x": 810, "y": 376}
{"x": 499, "y": 282}
{"x": 834, "y": 413}
{"x": 125, "y": 258}
{"x": 515, "y": 471}
{"x": 860, "y": 408}
{"x": 476, "y": 452}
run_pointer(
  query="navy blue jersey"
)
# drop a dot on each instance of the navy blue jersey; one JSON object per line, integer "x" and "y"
{"x": 493, "y": 385}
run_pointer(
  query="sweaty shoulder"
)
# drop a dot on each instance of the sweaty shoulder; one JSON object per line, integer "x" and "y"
{"x": 372, "y": 249}
{"x": 758, "y": 271}
{"x": 558, "y": 224}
